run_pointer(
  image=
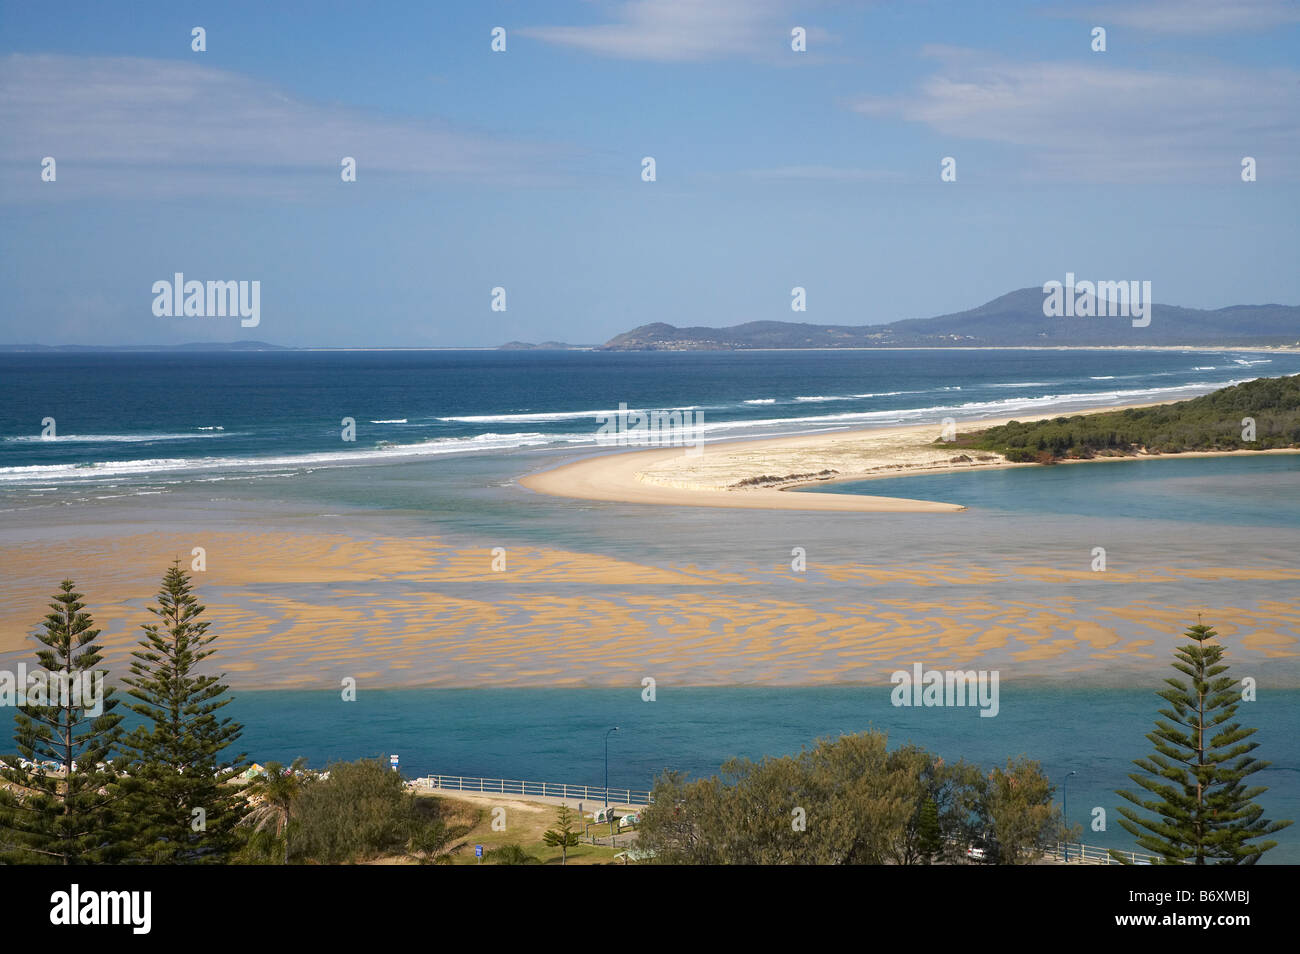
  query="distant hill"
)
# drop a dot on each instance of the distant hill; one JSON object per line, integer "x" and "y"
{"x": 544, "y": 346}
{"x": 1013, "y": 320}
{"x": 192, "y": 346}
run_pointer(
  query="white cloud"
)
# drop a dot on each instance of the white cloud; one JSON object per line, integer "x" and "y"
{"x": 127, "y": 126}
{"x": 687, "y": 30}
{"x": 1097, "y": 122}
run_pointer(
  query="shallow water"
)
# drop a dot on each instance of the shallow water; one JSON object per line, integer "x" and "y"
{"x": 557, "y": 735}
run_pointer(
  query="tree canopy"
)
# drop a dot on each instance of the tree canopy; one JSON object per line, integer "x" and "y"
{"x": 1212, "y": 422}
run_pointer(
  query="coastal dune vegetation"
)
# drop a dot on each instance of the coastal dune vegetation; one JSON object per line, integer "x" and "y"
{"x": 1256, "y": 415}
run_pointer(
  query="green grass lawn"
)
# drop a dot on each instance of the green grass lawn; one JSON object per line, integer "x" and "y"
{"x": 524, "y": 824}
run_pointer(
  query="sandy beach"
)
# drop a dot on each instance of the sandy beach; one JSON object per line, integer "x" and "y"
{"x": 757, "y": 473}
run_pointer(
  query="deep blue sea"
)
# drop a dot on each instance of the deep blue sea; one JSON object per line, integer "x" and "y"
{"x": 170, "y": 415}
{"x": 143, "y": 441}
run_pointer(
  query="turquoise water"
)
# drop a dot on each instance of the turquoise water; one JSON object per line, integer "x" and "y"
{"x": 557, "y": 735}
{"x": 1233, "y": 491}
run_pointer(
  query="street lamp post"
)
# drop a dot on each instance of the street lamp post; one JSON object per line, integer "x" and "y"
{"x": 611, "y": 821}
{"x": 1065, "y": 812}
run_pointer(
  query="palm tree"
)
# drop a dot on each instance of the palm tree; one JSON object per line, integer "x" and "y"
{"x": 431, "y": 844}
{"x": 272, "y": 798}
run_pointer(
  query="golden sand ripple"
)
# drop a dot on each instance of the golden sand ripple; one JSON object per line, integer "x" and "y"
{"x": 306, "y": 610}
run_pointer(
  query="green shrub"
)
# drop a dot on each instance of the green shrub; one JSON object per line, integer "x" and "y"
{"x": 361, "y": 810}
{"x": 1210, "y": 422}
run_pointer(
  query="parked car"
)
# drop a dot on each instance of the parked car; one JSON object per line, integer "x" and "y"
{"x": 984, "y": 849}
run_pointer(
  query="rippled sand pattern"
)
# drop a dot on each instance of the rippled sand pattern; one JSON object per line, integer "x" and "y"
{"x": 307, "y": 610}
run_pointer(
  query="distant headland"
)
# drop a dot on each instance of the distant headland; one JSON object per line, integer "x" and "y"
{"x": 1015, "y": 320}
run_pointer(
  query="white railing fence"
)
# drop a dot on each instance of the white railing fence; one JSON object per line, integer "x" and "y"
{"x": 507, "y": 786}
{"x": 1077, "y": 853}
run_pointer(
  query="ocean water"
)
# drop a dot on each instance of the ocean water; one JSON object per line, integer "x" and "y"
{"x": 179, "y": 416}
{"x": 252, "y": 441}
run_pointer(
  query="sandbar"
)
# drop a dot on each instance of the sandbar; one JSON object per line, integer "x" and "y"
{"x": 756, "y": 474}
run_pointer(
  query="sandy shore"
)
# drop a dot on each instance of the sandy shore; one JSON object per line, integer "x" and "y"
{"x": 756, "y": 473}
{"x": 666, "y": 477}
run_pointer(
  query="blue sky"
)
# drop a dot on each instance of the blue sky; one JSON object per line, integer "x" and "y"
{"x": 522, "y": 169}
